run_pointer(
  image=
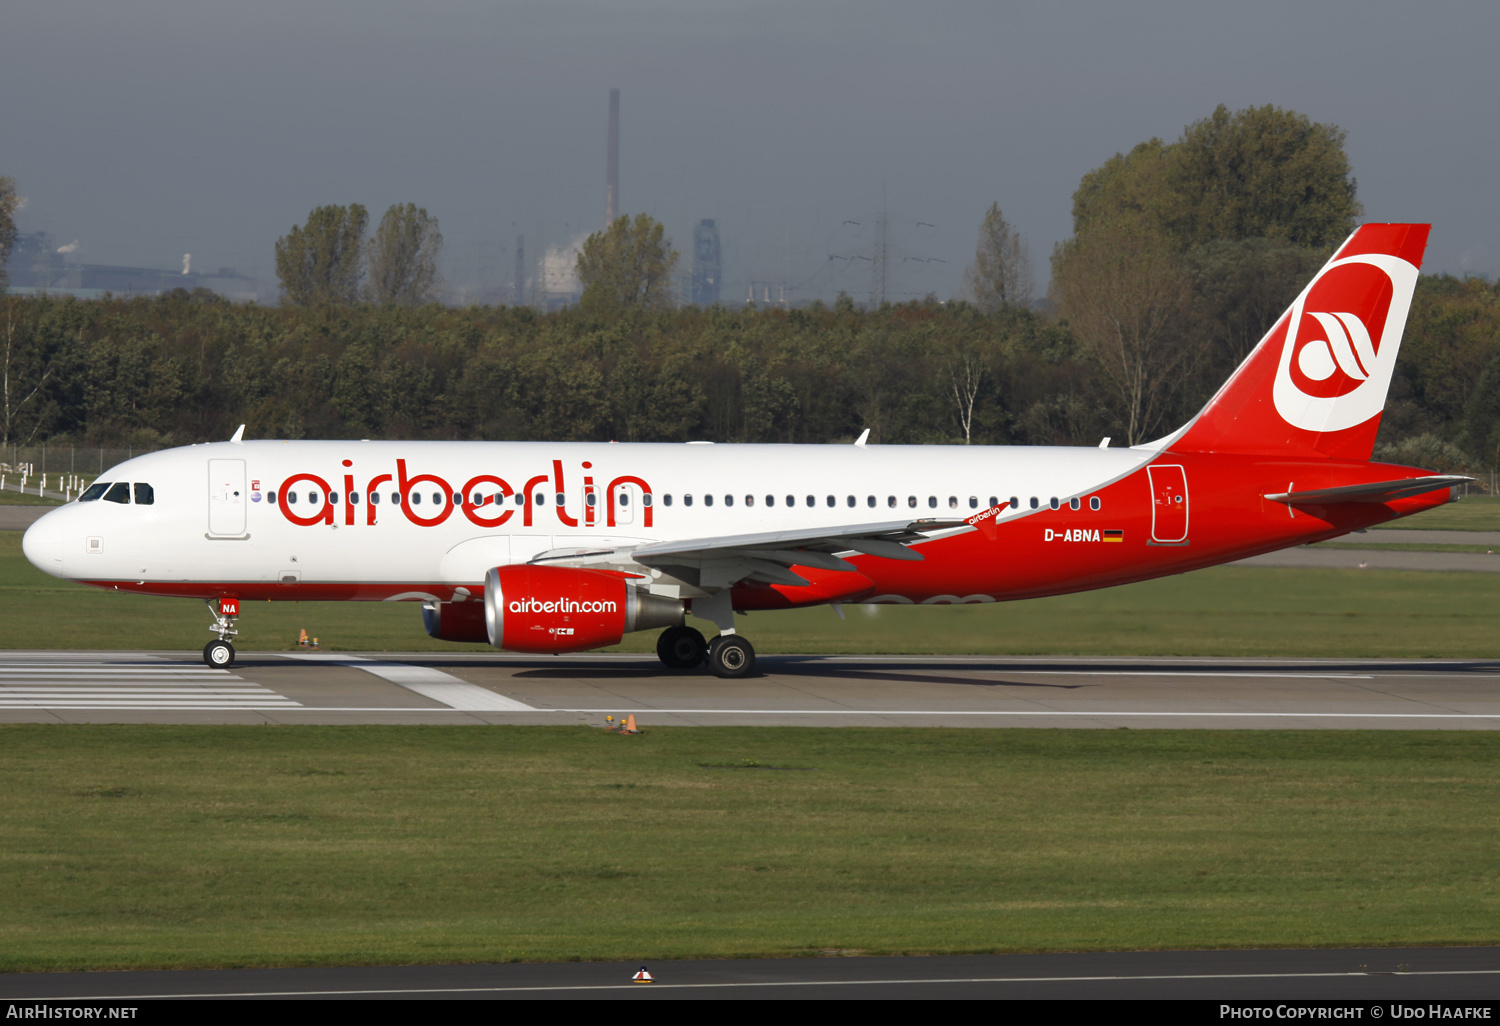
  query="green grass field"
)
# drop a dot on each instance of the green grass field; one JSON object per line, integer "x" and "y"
{"x": 1229, "y": 611}
{"x": 8, "y": 497}
{"x": 198, "y": 846}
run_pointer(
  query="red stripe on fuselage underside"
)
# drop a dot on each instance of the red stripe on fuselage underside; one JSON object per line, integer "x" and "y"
{"x": 1228, "y": 518}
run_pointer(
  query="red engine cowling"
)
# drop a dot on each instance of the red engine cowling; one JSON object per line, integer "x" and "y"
{"x": 455, "y": 621}
{"x": 563, "y": 609}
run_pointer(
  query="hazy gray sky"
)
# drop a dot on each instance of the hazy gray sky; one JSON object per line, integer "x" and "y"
{"x": 149, "y": 128}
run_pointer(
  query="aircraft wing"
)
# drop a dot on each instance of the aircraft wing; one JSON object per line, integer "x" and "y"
{"x": 767, "y": 557}
{"x": 1374, "y": 491}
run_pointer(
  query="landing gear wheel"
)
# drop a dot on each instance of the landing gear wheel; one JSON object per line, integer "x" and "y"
{"x": 681, "y": 648}
{"x": 218, "y": 654}
{"x": 731, "y": 656}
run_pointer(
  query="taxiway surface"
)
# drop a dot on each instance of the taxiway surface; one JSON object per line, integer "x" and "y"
{"x": 952, "y": 691}
{"x": 1370, "y": 974}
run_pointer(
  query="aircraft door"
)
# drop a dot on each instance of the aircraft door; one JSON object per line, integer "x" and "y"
{"x": 226, "y": 498}
{"x": 1169, "y": 505}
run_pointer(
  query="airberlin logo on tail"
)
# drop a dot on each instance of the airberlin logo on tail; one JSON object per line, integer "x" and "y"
{"x": 1341, "y": 341}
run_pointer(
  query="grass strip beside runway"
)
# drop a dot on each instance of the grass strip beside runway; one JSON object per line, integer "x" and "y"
{"x": 1224, "y": 611}
{"x": 164, "y": 846}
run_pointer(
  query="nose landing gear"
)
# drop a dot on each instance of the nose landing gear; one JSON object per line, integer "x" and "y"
{"x": 220, "y": 653}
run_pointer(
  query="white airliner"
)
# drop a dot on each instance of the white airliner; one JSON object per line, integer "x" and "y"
{"x": 548, "y": 548}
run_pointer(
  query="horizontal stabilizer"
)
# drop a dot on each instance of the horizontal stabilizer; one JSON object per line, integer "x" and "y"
{"x": 1374, "y": 491}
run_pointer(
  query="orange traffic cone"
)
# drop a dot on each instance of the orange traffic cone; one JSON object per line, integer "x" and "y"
{"x": 302, "y": 639}
{"x": 630, "y": 727}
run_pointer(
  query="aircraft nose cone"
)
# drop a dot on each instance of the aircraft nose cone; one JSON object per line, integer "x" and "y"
{"x": 42, "y": 544}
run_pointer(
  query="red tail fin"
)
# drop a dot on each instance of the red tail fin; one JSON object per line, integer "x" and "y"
{"x": 1316, "y": 384}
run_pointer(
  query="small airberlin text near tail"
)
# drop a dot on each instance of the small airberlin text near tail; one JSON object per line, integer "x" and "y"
{"x": 1316, "y": 384}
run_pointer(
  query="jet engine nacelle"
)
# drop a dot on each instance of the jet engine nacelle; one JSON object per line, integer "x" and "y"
{"x": 531, "y": 608}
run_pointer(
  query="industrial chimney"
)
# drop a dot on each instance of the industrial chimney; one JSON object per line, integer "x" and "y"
{"x": 612, "y": 162}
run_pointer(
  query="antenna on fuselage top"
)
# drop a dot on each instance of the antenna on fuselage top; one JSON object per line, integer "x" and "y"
{"x": 864, "y": 436}
{"x": 239, "y": 435}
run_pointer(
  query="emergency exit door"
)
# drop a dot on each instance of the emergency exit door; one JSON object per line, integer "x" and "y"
{"x": 1169, "y": 505}
{"x": 226, "y": 498}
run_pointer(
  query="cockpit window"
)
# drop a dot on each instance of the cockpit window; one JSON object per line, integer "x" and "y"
{"x": 118, "y": 492}
{"x": 145, "y": 495}
{"x": 93, "y": 492}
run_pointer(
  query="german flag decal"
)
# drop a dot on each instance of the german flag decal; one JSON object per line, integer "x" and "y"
{"x": 1114, "y": 536}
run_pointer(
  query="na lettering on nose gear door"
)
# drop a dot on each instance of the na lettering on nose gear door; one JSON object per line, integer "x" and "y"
{"x": 1169, "y": 505}
{"x": 226, "y": 498}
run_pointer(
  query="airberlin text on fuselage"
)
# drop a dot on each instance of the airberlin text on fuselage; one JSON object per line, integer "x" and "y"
{"x": 492, "y": 490}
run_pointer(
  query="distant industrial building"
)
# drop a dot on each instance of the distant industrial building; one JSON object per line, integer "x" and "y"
{"x": 38, "y": 266}
{"x": 706, "y": 269}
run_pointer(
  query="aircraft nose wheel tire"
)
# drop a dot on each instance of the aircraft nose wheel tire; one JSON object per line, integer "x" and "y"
{"x": 218, "y": 654}
{"x": 731, "y": 656}
{"x": 681, "y": 648}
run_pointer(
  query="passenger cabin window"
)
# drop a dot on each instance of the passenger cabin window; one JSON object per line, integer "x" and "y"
{"x": 870, "y": 501}
{"x": 1053, "y": 502}
{"x": 851, "y": 502}
{"x": 994, "y": 501}
{"x": 271, "y": 497}
{"x": 416, "y": 498}
{"x": 667, "y": 498}
{"x": 93, "y": 492}
{"x": 729, "y": 500}
{"x": 1015, "y": 503}
{"x": 932, "y": 502}
{"x": 118, "y": 492}
{"x": 645, "y": 499}
{"x": 890, "y": 500}
{"x": 791, "y": 500}
{"x": 374, "y": 499}
{"x": 1034, "y": 502}
{"x": 588, "y": 498}
{"x": 145, "y": 495}
{"x": 1075, "y": 503}
{"x": 291, "y": 498}
{"x": 687, "y": 500}
{"x": 1094, "y": 503}
{"x": 811, "y": 502}
{"x": 333, "y": 497}
{"x": 831, "y": 502}
{"x": 395, "y": 498}
{"x": 354, "y": 498}
{"x": 953, "y": 502}
{"x": 974, "y": 502}
{"x": 911, "y": 502}
{"x": 749, "y": 500}
{"x": 624, "y": 498}
{"x": 708, "y": 500}
{"x": 770, "y": 500}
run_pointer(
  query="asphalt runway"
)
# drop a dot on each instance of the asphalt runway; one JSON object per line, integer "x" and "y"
{"x": 1413, "y": 974}
{"x": 825, "y": 691}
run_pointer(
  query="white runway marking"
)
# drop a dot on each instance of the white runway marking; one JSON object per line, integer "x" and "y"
{"x": 425, "y": 681}
{"x": 106, "y": 685}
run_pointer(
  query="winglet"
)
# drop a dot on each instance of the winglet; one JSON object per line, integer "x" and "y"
{"x": 239, "y": 435}
{"x": 864, "y": 436}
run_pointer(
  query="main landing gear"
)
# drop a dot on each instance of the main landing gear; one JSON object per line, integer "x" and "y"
{"x": 728, "y": 655}
{"x": 220, "y": 653}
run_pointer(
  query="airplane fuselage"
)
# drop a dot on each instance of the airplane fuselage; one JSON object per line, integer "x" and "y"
{"x": 375, "y": 520}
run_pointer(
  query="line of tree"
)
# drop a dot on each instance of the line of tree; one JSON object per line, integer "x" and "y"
{"x": 1182, "y": 255}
